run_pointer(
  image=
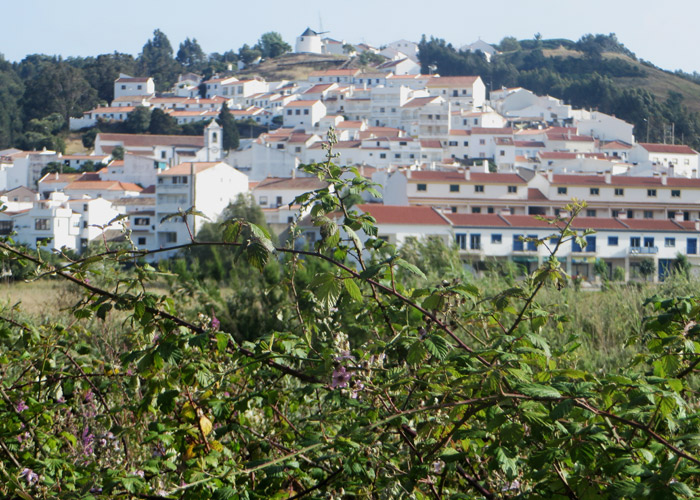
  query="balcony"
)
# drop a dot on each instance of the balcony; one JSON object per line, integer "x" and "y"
{"x": 642, "y": 250}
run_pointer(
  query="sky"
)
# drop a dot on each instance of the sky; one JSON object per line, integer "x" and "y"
{"x": 662, "y": 32}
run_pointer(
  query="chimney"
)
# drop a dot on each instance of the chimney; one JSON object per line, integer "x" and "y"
{"x": 550, "y": 175}
{"x": 408, "y": 173}
{"x": 622, "y": 214}
{"x": 671, "y": 171}
{"x": 678, "y": 216}
{"x": 697, "y": 225}
{"x": 694, "y": 174}
{"x": 504, "y": 211}
{"x": 608, "y": 177}
{"x": 467, "y": 174}
{"x": 294, "y": 173}
{"x": 664, "y": 178}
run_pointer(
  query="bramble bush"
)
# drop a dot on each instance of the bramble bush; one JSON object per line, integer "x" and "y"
{"x": 354, "y": 386}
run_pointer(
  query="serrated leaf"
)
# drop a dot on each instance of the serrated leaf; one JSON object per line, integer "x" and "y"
{"x": 539, "y": 391}
{"x": 437, "y": 346}
{"x": 416, "y": 353}
{"x": 409, "y": 267}
{"x": 326, "y": 288}
{"x": 205, "y": 425}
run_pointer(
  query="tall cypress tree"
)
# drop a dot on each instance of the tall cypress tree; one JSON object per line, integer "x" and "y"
{"x": 231, "y": 138}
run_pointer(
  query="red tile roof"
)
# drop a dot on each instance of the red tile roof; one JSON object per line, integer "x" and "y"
{"x": 186, "y": 168}
{"x": 475, "y": 177}
{"x": 298, "y": 183}
{"x": 143, "y": 140}
{"x": 452, "y": 81}
{"x": 677, "y": 149}
{"x": 103, "y": 185}
{"x": 536, "y": 194}
{"x": 480, "y": 220}
{"x": 389, "y": 214}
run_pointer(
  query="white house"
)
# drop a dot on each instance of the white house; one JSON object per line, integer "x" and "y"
{"x": 50, "y": 223}
{"x": 95, "y": 217}
{"x": 488, "y": 50}
{"x": 303, "y": 114}
{"x": 127, "y": 85}
{"x": 683, "y": 159}
{"x": 209, "y": 187}
{"x": 405, "y": 46}
{"x": 463, "y": 92}
{"x": 397, "y": 224}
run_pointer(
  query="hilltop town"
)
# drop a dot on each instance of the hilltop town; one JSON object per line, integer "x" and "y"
{"x": 450, "y": 159}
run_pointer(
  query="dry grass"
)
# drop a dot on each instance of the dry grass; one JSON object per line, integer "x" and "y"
{"x": 38, "y": 298}
{"x": 294, "y": 66}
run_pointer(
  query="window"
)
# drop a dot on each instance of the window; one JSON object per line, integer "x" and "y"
{"x": 85, "y": 207}
{"x": 289, "y": 112}
{"x": 502, "y": 152}
{"x": 422, "y": 187}
{"x": 297, "y": 111}
{"x": 675, "y": 193}
{"x": 490, "y": 210}
{"x": 648, "y": 214}
{"x": 512, "y": 189}
{"x": 479, "y": 188}
{"x": 630, "y": 214}
{"x": 562, "y": 190}
{"x": 180, "y": 179}
{"x": 517, "y": 243}
{"x": 262, "y": 200}
{"x": 595, "y": 191}
{"x": 382, "y": 155}
{"x": 692, "y": 246}
{"x": 297, "y": 149}
{"x": 669, "y": 242}
{"x": 141, "y": 240}
{"x": 612, "y": 241}
{"x": 397, "y": 155}
{"x": 619, "y": 192}
{"x": 496, "y": 239}
{"x": 651, "y": 192}
{"x": 648, "y": 242}
{"x": 5, "y": 226}
{"x": 162, "y": 155}
{"x": 454, "y": 188}
{"x": 280, "y": 146}
{"x": 42, "y": 224}
{"x": 123, "y": 87}
{"x": 141, "y": 221}
{"x": 170, "y": 237}
{"x": 475, "y": 242}
{"x": 476, "y": 210}
{"x": 461, "y": 240}
{"x": 306, "y": 111}
{"x": 482, "y": 141}
{"x": 635, "y": 241}
{"x": 590, "y": 213}
{"x": 452, "y": 143}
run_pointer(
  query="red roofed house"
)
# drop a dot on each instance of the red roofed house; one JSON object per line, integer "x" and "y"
{"x": 397, "y": 224}
{"x": 682, "y": 159}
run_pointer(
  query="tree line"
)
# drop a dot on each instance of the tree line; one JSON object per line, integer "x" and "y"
{"x": 40, "y": 85}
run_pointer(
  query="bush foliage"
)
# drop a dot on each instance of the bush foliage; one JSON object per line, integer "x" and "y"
{"x": 338, "y": 371}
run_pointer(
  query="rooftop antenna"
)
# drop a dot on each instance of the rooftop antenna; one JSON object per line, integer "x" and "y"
{"x": 320, "y": 22}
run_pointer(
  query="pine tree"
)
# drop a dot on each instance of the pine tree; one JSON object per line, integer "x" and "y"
{"x": 231, "y": 138}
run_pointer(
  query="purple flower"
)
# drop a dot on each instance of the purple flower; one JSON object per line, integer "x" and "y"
{"x": 21, "y": 406}
{"x": 215, "y": 323}
{"x": 88, "y": 396}
{"x": 29, "y": 475}
{"x": 87, "y": 438}
{"x": 340, "y": 378}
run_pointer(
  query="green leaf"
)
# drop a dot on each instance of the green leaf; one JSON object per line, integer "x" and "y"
{"x": 409, "y": 267}
{"x": 416, "y": 354}
{"x": 506, "y": 462}
{"x": 326, "y": 288}
{"x": 539, "y": 391}
{"x": 352, "y": 289}
{"x": 166, "y": 400}
{"x": 437, "y": 346}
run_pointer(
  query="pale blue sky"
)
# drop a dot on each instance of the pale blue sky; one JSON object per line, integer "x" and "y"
{"x": 663, "y": 32}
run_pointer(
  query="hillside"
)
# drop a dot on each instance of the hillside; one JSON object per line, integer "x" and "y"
{"x": 656, "y": 80}
{"x": 293, "y": 66}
